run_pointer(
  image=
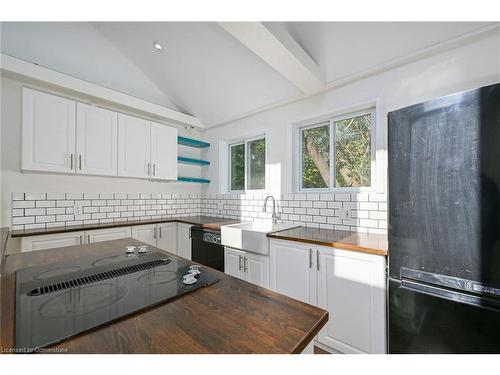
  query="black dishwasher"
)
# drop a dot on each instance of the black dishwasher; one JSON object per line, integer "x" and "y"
{"x": 206, "y": 247}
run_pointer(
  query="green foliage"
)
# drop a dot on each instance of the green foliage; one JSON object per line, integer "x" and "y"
{"x": 256, "y": 154}
{"x": 352, "y": 154}
{"x": 352, "y": 151}
{"x": 311, "y": 176}
{"x": 257, "y": 161}
{"x": 237, "y": 167}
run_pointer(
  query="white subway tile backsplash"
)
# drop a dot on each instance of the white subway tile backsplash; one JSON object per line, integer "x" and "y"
{"x": 74, "y": 195}
{"x": 34, "y": 211}
{"x": 45, "y": 219}
{"x": 17, "y": 196}
{"x": 65, "y": 203}
{"x": 56, "y": 196}
{"x": 91, "y": 196}
{"x": 369, "y": 211}
{"x": 23, "y": 220}
{"x": 45, "y": 203}
{"x": 35, "y": 196}
{"x": 23, "y": 204}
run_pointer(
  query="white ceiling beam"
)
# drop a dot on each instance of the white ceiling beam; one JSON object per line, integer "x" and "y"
{"x": 95, "y": 94}
{"x": 276, "y": 47}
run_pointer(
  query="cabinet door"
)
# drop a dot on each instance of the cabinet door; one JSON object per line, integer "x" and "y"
{"x": 51, "y": 241}
{"x": 233, "y": 262}
{"x": 167, "y": 237}
{"x": 351, "y": 286}
{"x": 163, "y": 152}
{"x": 184, "y": 240}
{"x": 96, "y": 140}
{"x": 293, "y": 270}
{"x": 256, "y": 269}
{"x": 48, "y": 136}
{"x": 134, "y": 141}
{"x": 145, "y": 233}
{"x": 99, "y": 235}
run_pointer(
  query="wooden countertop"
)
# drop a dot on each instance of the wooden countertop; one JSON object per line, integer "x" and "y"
{"x": 230, "y": 316}
{"x": 354, "y": 241}
{"x": 205, "y": 221}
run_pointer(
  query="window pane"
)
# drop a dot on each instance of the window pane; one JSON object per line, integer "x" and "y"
{"x": 316, "y": 157}
{"x": 237, "y": 164}
{"x": 353, "y": 151}
{"x": 257, "y": 164}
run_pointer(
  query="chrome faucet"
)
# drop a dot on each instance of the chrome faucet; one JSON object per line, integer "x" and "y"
{"x": 275, "y": 216}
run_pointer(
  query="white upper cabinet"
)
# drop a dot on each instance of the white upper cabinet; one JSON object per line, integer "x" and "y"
{"x": 96, "y": 140}
{"x": 61, "y": 135}
{"x": 134, "y": 147}
{"x": 163, "y": 152}
{"x": 48, "y": 132}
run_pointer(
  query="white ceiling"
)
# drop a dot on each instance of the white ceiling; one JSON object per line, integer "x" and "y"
{"x": 203, "y": 70}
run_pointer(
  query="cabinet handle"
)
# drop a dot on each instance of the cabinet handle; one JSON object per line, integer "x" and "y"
{"x": 81, "y": 240}
{"x": 245, "y": 264}
{"x": 317, "y": 260}
{"x": 154, "y": 233}
{"x": 80, "y": 162}
{"x": 154, "y": 169}
{"x": 88, "y": 238}
{"x": 239, "y": 263}
{"x": 149, "y": 169}
{"x": 160, "y": 232}
{"x": 71, "y": 161}
{"x": 310, "y": 257}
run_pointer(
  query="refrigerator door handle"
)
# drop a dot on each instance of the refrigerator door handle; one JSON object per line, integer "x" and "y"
{"x": 451, "y": 295}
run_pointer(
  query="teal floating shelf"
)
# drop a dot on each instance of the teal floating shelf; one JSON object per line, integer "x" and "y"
{"x": 193, "y": 179}
{"x": 192, "y": 142}
{"x": 184, "y": 160}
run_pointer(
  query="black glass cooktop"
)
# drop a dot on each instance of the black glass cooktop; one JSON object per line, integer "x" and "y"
{"x": 60, "y": 300}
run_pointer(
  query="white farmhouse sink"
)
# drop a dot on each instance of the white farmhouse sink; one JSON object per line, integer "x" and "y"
{"x": 251, "y": 236}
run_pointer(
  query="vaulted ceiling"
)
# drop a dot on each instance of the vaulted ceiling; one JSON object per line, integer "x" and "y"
{"x": 205, "y": 70}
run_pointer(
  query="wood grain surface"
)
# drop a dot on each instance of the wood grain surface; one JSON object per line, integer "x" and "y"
{"x": 230, "y": 316}
{"x": 362, "y": 242}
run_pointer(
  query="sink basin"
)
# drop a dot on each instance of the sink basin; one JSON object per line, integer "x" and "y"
{"x": 251, "y": 236}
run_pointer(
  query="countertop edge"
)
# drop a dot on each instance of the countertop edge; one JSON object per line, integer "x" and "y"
{"x": 76, "y": 228}
{"x": 337, "y": 245}
{"x": 299, "y": 348}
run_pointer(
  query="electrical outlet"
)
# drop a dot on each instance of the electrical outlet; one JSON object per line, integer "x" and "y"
{"x": 220, "y": 206}
{"x": 78, "y": 209}
{"x": 345, "y": 214}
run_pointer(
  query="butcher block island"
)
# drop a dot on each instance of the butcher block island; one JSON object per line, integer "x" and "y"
{"x": 148, "y": 311}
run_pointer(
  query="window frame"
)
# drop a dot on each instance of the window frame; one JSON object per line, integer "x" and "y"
{"x": 330, "y": 120}
{"x": 246, "y": 141}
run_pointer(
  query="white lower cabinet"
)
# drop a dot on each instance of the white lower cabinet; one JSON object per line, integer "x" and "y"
{"x": 51, "y": 241}
{"x": 184, "y": 240}
{"x": 163, "y": 235}
{"x": 145, "y": 233}
{"x": 293, "y": 270}
{"x": 108, "y": 234}
{"x": 349, "y": 285}
{"x": 166, "y": 237}
{"x": 247, "y": 266}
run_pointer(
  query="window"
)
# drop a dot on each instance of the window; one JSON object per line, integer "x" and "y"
{"x": 247, "y": 165}
{"x": 336, "y": 153}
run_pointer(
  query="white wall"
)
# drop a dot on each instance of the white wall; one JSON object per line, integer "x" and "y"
{"x": 471, "y": 65}
{"x": 12, "y": 180}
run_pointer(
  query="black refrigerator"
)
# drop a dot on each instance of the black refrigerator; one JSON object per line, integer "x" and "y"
{"x": 444, "y": 225}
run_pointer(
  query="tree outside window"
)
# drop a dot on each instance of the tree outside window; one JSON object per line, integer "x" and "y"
{"x": 350, "y": 149}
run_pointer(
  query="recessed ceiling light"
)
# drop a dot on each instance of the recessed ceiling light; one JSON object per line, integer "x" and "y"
{"x": 158, "y": 46}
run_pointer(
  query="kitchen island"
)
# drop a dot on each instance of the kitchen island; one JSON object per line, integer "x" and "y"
{"x": 230, "y": 316}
